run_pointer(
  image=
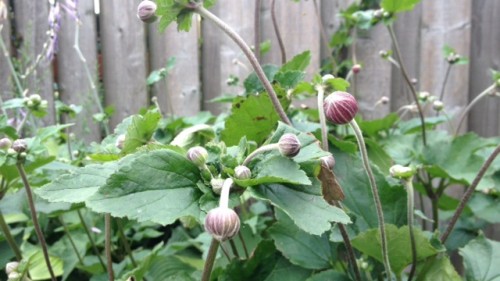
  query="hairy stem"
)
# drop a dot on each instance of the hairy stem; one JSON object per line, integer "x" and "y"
{"x": 71, "y": 241}
{"x": 107, "y": 246}
{"x": 376, "y": 198}
{"x": 244, "y": 245}
{"x": 262, "y": 149}
{"x": 446, "y": 76}
{"x": 408, "y": 81}
{"x": 250, "y": 56}
{"x": 91, "y": 240}
{"x": 277, "y": 31}
{"x": 209, "y": 263}
{"x": 36, "y": 224}
{"x": 411, "y": 206}
{"x": 233, "y": 248}
{"x": 9, "y": 238}
{"x": 468, "y": 194}
{"x": 472, "y": 103}
{"x": 322, "y": 118}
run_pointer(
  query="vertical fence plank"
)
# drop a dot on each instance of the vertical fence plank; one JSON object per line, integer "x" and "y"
{"x": 331, "y": 19}
{"x": 445, "y": 24}
{"x": 485, "y": 117}
{"x": 6, "y": 90}
{"x": 31, "y": 25}
{"x": 179, "y": 93}
{"x": 74, "y": 85}
{"x": 124, "y": 57}
{"x": 221, "y": 57}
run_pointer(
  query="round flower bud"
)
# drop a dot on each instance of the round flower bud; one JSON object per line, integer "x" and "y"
{"x": 378, "y": 13}
{"x": 356, "y": 68}
{"x": 414, "y": 81}
{"x": 44, "y": 104}
{"x": 216, "y": 184}
{"x": 5, "y": 144}
{"x": 384, "y": 100}
{"x": 401, "y": 172}
{"x": 14, "y": 275}
{"x": 438, "y": 105}
{"x": 120, "y": 141}
{"x": 384, "y": 54}
{"x": 19, "y": 145}
{"x": 424, "y": 96}
{"x": 35, "y": 98}
{"x": 242, "y": 172}
{"x": 222, "y": 223}
{"x": 340, "y": 107}
{"x": 289, "y": 145}
{"x": 198, "y": 155}
{"x": 327, "y": 77}
{"x": 11, "y": 267}
{"x": 328, "y": 161}
{"x": 146, "y": 11}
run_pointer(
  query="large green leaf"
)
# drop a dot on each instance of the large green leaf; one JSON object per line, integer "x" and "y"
{"x": 141, "y": 130}
{"x": 297, "y": 63}
{"x": 437, "y": 268}
{"x": 373, "y": 127}
{"x": 399, "y": 247}
{"x": 38, "y": 268}
{"x": 329, "y": 275}
{"x": 485, "y": 207}
{"x": 481, "y": 258}
{"x": 309, "y": 212}
{"x": 300, "y": 247}
{"x": 396, "y": 6}
{"x": 283, "y": 270}
{"x": 159, "y": 186}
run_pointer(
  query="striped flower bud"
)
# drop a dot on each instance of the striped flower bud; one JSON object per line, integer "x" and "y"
{"x": 356, "y": 68}
{"x": 19, "y": 145}
{"x": 146, "y": 11}
{"x": 340, "y": 107}
{"x": 328, "y": 161}
{"x": 222, "y": 223}
{"x": 289, "y": 145}
{"x": 198, "y": 155}
{"x": 216, "y": 184}
{"x": 242, "y": 172}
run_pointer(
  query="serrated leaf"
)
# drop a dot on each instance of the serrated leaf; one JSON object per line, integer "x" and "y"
{"x": 396, "y": 6}
{"x": 289, "y": 79}
{"x": 140, "y": 131}
{"x": 399, "y": 247}
{"x": 329, "y": 275}
{"x": 283, "y": 270}
{"x": 373, "y": 127}
{"x": 158, "y": 186}
{"x": 485, "y": 207}
{"x": 252, "y": 83}
{"x": 299, "y": 62}
{"x": 437, "y": 268}
{"x": 481, "y": 257}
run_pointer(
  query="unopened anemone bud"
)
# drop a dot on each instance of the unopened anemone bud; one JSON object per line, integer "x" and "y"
{"x": 146, "y": 11}
{"x": 35, "y": 98}
{"x": 242, "y": 172}
{"x": 356, "y": 68}
{"x": 328, "y": 161}
{"x": 327, "y": 77}
{"x": 222, "y": 223}
{"x": 384, "y": 100}
{"x": 340, "y": 107}
{"x": 198, "y": 155}
{"x": 378, "y": 13}
{"x": 424, "y": 96}
{"x": 11, "y": 267}
{"x": 401, "y": 172}
{"x": 120, "y": 141}
{"x": 383, "y": 54}
{"x": 438, "y": 105}
{"x": 216, "y": 184}
{"x": 289, "y": 145}
{"x": 5, "y": 144}
{"x": 19, "y": 145}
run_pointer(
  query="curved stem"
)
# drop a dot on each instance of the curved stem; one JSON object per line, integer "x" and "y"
{"x": 209, "y": 263}
{"x": 250, "y": 56}
{"x": 8, "y": 237}
{"x": 376, "y": 198}
{"x": 107, "y": 246}
{"x": 472, "y": 103}
{"x": 322, "y": 118}
{"x": 34, "y": 217}
{"x": 256, "y": 28}
{"x": 278, "y": 33}
{"x": 264, "y": 148}
{"x": 468, "y": 194}
{"x": 408, "y": 81}
{"x": 224, "y": 194}
{"x": 411, "y": 206}
{"x": 446, "y": 76}
{"x": 23, "y": 122}
{"x": 91, "y": 240}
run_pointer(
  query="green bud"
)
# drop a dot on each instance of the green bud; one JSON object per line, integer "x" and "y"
{"x": 5, "y": 144}
{"x": 402, "y": 172}
{"x": 242, "y": 172}
{"x": 217, "y": 184}
{"x": 198, "y": 155}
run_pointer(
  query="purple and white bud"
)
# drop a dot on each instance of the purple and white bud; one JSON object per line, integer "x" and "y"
{"x": 198, "y": 155}
{"x": 356, "y": 68}
{"x": 146, "y": 11}
{"x": 5, "y": 144}
{"x": 120, "y": 141}
{"x": 19, "y": 145}
{"x": 289, "y": 145}
{"x": 242, "y": 172}
{"x": 340, "y": 107}
{"x": 222, "y": 223}
{"x": 328, "y": 161}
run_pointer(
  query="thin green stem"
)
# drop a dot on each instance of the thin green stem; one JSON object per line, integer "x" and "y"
{"x": 411, "y": 207}
{"x": 23, "y": 122}
{"x": 262, "y": 149}
{"x": 10, "y": 239}
{"x": 376, "y": 198}
{"x": 277, "y": 31}
{"x": 322, "y": 118}
{"x": 468, "y": 194}
{"x": 36, "y": 224}
{"x": 245, "y": 249}
{"x": 472, "y": 103}
{"x": 71, "y": 241}
{"x": 107, "y": 246}
{"x": 446, "y": 76}
{"x": 125, "y": 243}
{"x": 91, "y": 240}
{"x": 422, "y": 208}
{"x": 20, "y": 89}
{"x": 250, "y": 56}
{"x": 233, "y": 248}
{"x": 408, "y": 81}
{"x": 209, "y": 263}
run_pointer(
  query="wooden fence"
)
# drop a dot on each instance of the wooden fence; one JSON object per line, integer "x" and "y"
{"x": 122, "y": 51}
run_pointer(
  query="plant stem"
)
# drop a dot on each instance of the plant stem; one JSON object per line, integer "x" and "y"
{"x": 224, "y": 194}
{"x": 250, "y": 56}
{"x": 422, "y": 207}
{"x": 408, "y": 183}
{"x": 23, "y": 122}
{"x": 91, "y": 240}
{"x": 277, "y": 31}
{"x": 446, "y": 76}
{"x": 233, "y": 248}
{"x": 9, "y": 238}
{"x": 376, "y": 198}
{"x": 244, "y": 245}
{"x": 34, "y": 217}
{"x": 71, "y": 241}
{"x": 11, "y": 67}
{"x": 472, "y": 103}
{"x": 468, "y": 194}
{"x": 348, "y": 246}
{"x": 322, "y": 118}
{"x": 107, "y": 246}
{"x": 125, "y": 243}
{"x": 264, "y": 148}
{"x": 324, "y": 35}
{"x": 209, "y": 263}
{"x": 256, "y": 28}
{"x": 408, "y": 81}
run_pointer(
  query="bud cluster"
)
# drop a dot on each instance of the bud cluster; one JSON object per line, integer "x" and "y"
{"x": 453, "y": 58}
{"x": 35, "y": 102}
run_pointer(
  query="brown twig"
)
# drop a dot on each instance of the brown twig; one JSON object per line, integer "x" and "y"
{"x": 278, "y": 33}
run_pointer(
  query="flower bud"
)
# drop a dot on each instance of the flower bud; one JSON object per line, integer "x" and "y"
{"x": 44, "y": 104}
{"x": 401, "y": 172}
{"x": 328, "y": 161}
{"x": 356, "y": 68}
{"x": 120, "y": 141}
{"x": 378, "y": 13}
{"x": 289, "y": 145}
{"x": 327, "y": 77}
{"x": 146, "y": 11}
{"x": 19, "y": 145}
{"x": 11, "y": 267}
{"x": 384, "y": 100}
{"x": 5, "y": 144}
{"x": 35, "y": 98}
{"x": 383, "y": 54}
{"x": 242, "y": 172}
{"x": 438, "y": 105}
{"x": 453, "y": 58}
{"x": 414, "y": 81}
{"x": 216, "y": 184}
{"x": 424, "y": 96}
{"x": 222, "y": 223}
{"x": 198, "y": 155}
{"x": 340, "y": 107}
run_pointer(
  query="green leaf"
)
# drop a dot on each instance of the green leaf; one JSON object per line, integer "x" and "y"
{"x": 329, "y": 275}
{"x": 309, "y": 212}
{"x": 169, "y": 268}
{"x": 289, "y": 79}
{"x": 158, "y": 186}
{"x": 283, "y": 270}
{"x": 299, "y": 62}
{"x": 338, "y": 84}
{"x": 414, "y": 125}
{"x": 399, "y": 248}
{"x": 38, "y": 268}
{"x": 184, "y": 20}
{"x": 276, "y": 169}
{"x": 253, "y": 116}
{"x": 485, "y": 207}
{"x": 141, "y": 130}
{"x": 437, "y": 268}
{"x": 396, "y": 6}
{"x": 300, "y": 247}
{"x": 252, "y": 83}
{"x": 481, "y": 258}
{"x": 265, "y": 47}
{"x": 373, "y": 127}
